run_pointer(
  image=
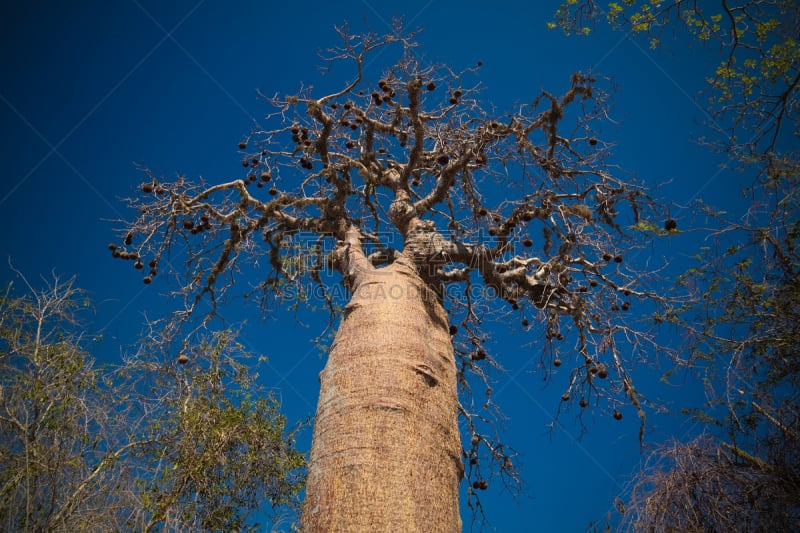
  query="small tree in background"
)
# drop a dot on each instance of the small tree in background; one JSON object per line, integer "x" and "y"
{"x": 742, "y": 337}
{"x": 742, "y": 330}
{"x": 150, "y": 445}
{"x": 439, "y": 217}
{"x": 217, "y": 449}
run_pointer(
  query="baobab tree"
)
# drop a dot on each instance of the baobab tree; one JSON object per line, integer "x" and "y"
{"x": 437, "y": 216}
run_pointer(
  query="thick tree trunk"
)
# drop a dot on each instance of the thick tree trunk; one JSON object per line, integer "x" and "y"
{"x": 386, "y": 454}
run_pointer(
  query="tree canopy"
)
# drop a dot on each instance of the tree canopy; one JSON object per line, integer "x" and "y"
{"x": 512, "y": 215}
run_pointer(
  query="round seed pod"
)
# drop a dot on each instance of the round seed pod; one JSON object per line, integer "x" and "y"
{"x": 478, "y": 355}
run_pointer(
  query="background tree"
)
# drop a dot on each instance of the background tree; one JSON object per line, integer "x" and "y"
{"x": 217, "y": 449}
{"x": 742, "y": 330}
{"x": 743, "y": 336}
{"x": 752, "y": 96}
{"x": 152, "y": 445}
{"x": 438, "y": 215}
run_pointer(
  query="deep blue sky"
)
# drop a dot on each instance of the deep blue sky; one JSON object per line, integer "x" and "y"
{"x": 89, "y": 88}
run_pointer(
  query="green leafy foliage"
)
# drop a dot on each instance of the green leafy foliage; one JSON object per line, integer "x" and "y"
{"x": 150, "y": 445}
{"x": 753, "y": 92}
{"x": 218, "y": 442}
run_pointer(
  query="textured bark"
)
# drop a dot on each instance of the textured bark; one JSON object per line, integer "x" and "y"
{"x": 386, "y": 450}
